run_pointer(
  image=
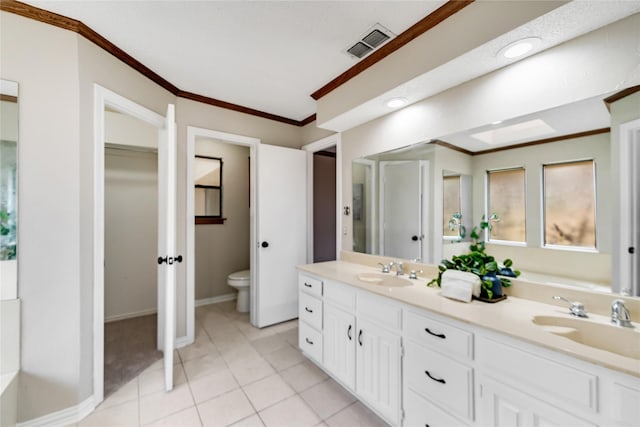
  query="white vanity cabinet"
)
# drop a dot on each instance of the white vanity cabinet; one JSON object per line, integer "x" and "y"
{"x": 378, "y": 355}
{"x": 310, "y": 316}
{"x": 437, "y": 371}
{"x": 417, "y": 367}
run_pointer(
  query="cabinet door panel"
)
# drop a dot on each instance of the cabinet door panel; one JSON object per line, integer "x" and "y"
{"x": 339, "y": 344}
{"x": 501, "y": 405}
{"x": 378, "y": 369}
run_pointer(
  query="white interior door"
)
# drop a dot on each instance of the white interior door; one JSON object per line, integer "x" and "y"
{"x": 401, "y": 209}
{"x": 167, "y": 257}
{"x": 282, "y": 230}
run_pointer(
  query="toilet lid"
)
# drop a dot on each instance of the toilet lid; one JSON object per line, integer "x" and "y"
{"x": 240, "y": 275}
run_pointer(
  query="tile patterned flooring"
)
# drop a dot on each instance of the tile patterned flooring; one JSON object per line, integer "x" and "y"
{"x": 235, "y": 375}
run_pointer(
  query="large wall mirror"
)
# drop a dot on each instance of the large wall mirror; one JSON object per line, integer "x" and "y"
{"x": 538, "y": 215}
{"x": 8, "y": 189}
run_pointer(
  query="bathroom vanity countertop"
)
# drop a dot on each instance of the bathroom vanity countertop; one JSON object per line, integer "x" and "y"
{"x": 512, "y": 316}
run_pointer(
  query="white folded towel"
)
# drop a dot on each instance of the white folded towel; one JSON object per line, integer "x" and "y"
{"x": 460, "y": 285}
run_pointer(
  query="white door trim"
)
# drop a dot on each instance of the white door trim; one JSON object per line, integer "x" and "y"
{"x": 629, "y": 134}
{"x": 322, "y": 144}
{"x": 229, "y": 138}
{"x": 105, "y": 98}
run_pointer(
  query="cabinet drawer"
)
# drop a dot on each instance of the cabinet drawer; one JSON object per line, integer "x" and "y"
{"x": 438, "y": 335}
{"x": 339, "y": 294}
{"x": 421, "y": 412}
{"x": 543, "y": 377}
{"x": 381, "y": 310}
{"x": 439, "y": 379}
{"x": 310, "y": 341}
{"x": 310, "y": 310}
{"x": 310, "y": 285}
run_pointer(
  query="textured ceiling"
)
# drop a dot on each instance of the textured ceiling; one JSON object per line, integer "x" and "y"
{"x": 266, "y": 55}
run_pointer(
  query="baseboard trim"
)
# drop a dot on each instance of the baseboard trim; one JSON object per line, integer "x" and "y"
{"x": 124, "y": 316}
{"x": 213, "y": 300}
{"x": 63, "y": 417}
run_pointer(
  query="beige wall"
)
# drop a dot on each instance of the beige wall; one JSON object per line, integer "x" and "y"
{"x": 594, "y": 267}
{"x": 44, "y": 62}
{"x": 56, "y": 71}
{"x": 131, "y": 228}
{"x": 222, "y": 249}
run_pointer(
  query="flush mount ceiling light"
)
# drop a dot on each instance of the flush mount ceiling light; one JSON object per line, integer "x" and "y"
{"x": 396, "y": 102}
{"x": 519, "y": 47}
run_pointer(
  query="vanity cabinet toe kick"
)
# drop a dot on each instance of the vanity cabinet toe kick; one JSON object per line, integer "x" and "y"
{"x": 414, "y": 367}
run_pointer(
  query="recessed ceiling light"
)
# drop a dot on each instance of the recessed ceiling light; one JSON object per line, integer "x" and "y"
{"x": 519, "y": 47}
{"x": 396, "y": 102}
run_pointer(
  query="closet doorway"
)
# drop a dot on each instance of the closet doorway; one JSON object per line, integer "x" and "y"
{"x": 131, "y": 241}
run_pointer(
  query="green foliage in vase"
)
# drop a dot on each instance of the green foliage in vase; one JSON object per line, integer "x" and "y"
{"x": 478, "y": 262}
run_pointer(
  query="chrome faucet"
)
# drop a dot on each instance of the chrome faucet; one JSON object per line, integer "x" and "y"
{"x": 620, "y": 315}
{"x": 575, "y": 309}
{"x": 399, "y": 268}
{"x": 385, "y": 268}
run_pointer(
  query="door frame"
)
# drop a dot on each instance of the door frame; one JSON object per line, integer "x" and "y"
{"x": 311, "y": 148}
{"x": 234, "y": 139}
{"x": 105, "y": 98}
{"x": 629, "y": 134}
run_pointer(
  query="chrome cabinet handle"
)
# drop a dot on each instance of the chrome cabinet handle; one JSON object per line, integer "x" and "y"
{"x": 443, "y": 336}
{"x": 308, "y": 341}
{"x": 308, "y": 310}
{"x": 349, "y": 332}
{"x": 440, "y": 380}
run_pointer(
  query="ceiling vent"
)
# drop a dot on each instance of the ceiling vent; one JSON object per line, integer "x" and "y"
{"x": 375, "y": 37}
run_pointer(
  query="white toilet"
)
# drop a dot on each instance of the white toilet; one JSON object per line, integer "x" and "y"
{"x": 241, "y": 280}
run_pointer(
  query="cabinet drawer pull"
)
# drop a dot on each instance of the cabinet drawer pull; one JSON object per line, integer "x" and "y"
{"x": 360, "y": 337}
{"x": 308, "y": 285}
{"x": 440, "y": 380}
{"x": 308, "y": 310}
{"x": 349, "y": 332}
{"x": 308, "y": 341}
{"x": 443, "y": 336}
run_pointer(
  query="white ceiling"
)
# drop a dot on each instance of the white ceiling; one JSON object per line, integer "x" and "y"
{"x": 271, "y": 55}
{"x": 266, "y": 55}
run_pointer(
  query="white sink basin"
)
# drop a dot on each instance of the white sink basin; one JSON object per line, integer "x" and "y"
{"x": 384, "y": 279}
{"x": 612, "y": 338}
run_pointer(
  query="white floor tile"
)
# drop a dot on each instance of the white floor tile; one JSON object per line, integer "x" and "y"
{"x": 267, "y": 391}
{"x": 249, "y": 370}
{"x": 152, "y": 381}
{"x": 126, "y": 393}
{"x": 293, "y": 412}
{"x": 203, "y": 366}
{"x": 201, "y": 347}
{"x": 225, "y": 409}
{"x": 269, "y": 344}
{"x": 327, "y": 398}
{"x": 185, "y": 418}
{"x": 210, "y": 386}
{"x": 356, "y": 415}
{"x": 284, "y": 358}
{"x": 158, "y": 405}
{"x": 122, "y": 415}
{"x": 252, "y": 421}
{"x": 303, "y": 375}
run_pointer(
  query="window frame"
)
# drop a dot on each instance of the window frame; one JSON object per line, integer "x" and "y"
{"x": 584, "y": 249}
{"x": 487, "y": 214}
